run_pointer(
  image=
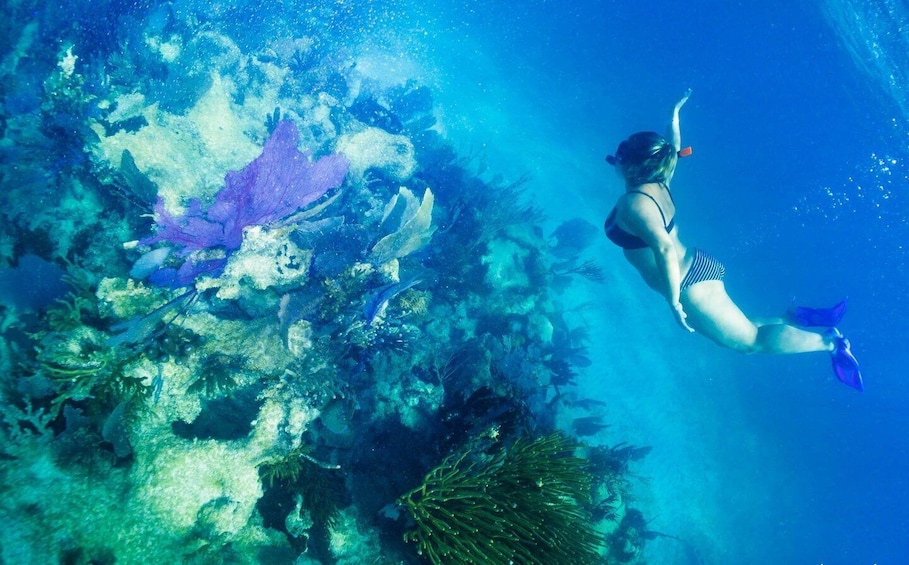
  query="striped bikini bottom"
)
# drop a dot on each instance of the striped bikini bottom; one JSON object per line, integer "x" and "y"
{"x": 704, "y": 267}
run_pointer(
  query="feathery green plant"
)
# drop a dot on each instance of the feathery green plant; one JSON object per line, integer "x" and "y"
{"x": 317, "y": 482}
{"x": 525, "y": 504}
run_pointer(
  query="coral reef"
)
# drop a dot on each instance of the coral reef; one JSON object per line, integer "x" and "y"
{"x": 284, "y": 299}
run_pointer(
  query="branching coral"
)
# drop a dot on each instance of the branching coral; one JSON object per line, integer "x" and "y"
{"x": 526, "y": 504}
{"x": 589, "y": 270}
{"x": 341, "y": 294}
{"x": 21, "y": 426}
{"x": 284, "y": 469}
{"x": 67, "y": 314}
{"x": 497, "y": 207}
{"x": 415, "y": 303}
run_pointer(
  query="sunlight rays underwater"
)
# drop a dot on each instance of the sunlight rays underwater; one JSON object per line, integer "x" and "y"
{"x": 342, "y": 368}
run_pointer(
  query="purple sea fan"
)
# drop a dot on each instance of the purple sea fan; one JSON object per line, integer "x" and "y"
{"x": 276, "y": 184}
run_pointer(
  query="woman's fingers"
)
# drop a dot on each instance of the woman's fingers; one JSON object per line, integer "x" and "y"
{"x": 684, "y": 99}
{"x": 681, "y": 317}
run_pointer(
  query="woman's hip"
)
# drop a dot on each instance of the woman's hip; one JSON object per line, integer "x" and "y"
{"x": 701, "y": 266}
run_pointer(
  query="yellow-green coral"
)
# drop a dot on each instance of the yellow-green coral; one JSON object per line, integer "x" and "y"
{"x": 414, "y": 302}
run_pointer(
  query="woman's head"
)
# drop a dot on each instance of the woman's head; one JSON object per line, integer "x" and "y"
{"x": 645, "y": 157}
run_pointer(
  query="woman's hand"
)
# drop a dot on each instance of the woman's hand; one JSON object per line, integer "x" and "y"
{"x": 680, "y": 103}
{"x": 680, "y": 316}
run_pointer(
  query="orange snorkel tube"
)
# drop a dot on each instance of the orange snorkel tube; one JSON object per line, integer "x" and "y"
{"x": 683, "y": 152}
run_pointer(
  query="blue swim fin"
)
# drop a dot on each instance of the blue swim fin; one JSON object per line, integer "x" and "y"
{"x": 845, "y": 365}
{"x": 822, "y": 317}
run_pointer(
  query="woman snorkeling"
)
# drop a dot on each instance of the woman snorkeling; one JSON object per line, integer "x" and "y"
{"x": 643, "y": 224}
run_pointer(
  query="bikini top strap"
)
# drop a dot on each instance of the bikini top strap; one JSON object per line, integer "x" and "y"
{"x": 654, "y": 201}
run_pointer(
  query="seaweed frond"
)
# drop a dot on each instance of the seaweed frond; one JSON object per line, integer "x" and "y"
{"x": 526, "y": 504}
{"x": 590, "y": 270}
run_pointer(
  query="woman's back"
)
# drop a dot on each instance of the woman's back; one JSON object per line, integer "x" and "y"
{"x": 629, "y": 219}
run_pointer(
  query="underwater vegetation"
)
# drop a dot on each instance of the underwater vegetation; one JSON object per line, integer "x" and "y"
{"x": 73, "y": 362}
{"x": 524, "y": 504}
{"x": 216, "y": 374}
{"x": 285, "y": 302}
{"x": 317, "y": 490}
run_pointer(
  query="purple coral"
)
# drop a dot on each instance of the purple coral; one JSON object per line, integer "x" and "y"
{"x": 276, "y": 184}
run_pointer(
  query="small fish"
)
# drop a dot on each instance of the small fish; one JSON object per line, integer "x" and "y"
{"x": 377, "y": 302}
{"x": 588, "y": 425}
{"x": 149, "y": 263}
{"x": 587, "y": 403}
{"x": 158, "y": 385}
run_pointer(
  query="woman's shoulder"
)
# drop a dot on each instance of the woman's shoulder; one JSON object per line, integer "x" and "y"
{"x": 640, "y": 194}
{"x": 646, "y": 201}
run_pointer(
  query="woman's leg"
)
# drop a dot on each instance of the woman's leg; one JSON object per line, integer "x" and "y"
{"x": 711, "y": 312}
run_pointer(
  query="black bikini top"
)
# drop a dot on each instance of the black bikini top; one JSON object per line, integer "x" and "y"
{"x": 627, "y": 240}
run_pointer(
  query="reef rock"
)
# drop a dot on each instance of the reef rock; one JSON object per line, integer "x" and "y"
{"x": 374, "y": 148}
{"x": 185, "y": 155}
{"x": 267, "y": 259}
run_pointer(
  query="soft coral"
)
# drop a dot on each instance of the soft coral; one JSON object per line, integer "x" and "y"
{"x": 276, "y": 184}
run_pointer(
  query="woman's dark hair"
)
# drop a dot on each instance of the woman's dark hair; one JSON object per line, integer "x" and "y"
{"x": 645, "y": 157}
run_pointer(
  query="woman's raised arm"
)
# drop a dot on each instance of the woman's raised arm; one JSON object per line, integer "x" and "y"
{"x": 675, "y": 134}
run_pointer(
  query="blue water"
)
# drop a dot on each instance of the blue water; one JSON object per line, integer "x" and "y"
{"x": 799, "y": 122}
{"x": 799, "y": 183}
